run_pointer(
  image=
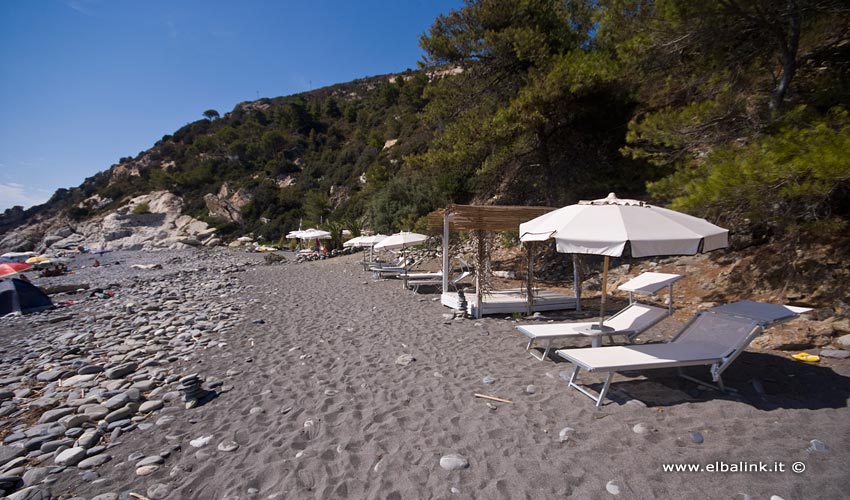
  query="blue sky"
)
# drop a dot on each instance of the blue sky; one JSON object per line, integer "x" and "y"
{"x": 86, "y": 82}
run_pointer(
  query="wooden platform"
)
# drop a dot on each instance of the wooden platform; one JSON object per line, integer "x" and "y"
{"x": 510, "y": 301}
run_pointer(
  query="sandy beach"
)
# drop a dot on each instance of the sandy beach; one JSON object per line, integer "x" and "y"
{"x": 314, "y": 395}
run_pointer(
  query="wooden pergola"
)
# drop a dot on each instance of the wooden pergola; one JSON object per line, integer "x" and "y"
{"x": 481, "y": 218}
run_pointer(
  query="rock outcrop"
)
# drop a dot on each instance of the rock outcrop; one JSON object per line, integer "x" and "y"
{"x": 227, "y": 204}
{"x": 131, "y": 227}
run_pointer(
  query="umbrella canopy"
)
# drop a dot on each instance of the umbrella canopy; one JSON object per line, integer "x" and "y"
{"x": 13, "y": 268}
{"x": 400, "y": 240}
{"x": 606, "y": 226}
{"x": 17, "y": 256}
{"x": 313, "y": 234}
{"x": 610, "y": 226}
{"x": 365, "y": 241}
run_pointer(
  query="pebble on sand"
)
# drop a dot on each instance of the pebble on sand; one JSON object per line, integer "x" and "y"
{"x": 453, "y": 461}
{"x": 227, "y": 446}
{"x": 614, "y": 487}
{"x": 404, "y": 359}
{"x": 201, "y": 441}
{"x": 565, "y": 434}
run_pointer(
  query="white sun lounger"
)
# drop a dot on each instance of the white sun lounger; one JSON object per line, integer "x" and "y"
{"x": 629, "y": 322}
{"x": 713, "y": 338}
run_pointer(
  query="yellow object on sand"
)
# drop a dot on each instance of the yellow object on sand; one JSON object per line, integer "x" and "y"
{"x": 804, "y": 356}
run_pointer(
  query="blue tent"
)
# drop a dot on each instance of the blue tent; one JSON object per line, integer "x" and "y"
{"x": 18, "y": 296}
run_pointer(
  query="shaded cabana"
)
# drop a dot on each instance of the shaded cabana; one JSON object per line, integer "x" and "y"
{"x": 480, "y": 221}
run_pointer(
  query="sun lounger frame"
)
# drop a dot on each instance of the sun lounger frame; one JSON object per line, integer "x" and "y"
{"x": 717, "y": 364}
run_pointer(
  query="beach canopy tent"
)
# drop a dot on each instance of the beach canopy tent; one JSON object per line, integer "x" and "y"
{"x": 481, "y": 220}
{"x": 18, "y": 296}
{"x": 612, "y": 227}
{"x": 365, "y": 241}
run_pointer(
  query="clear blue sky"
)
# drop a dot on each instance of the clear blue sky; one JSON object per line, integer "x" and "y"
{"x": 86, "y": 82}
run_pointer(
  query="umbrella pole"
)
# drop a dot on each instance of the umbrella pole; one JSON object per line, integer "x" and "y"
{"x": 604, "y": 291}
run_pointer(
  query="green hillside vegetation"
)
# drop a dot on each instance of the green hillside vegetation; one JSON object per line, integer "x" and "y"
{"x": 734, "y": 110}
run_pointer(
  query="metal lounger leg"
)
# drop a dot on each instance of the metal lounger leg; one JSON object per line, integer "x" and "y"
{"x": 601, "y": 397}
{"x": 530, "y": 350}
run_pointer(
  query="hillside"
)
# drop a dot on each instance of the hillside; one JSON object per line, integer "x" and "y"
{"x": 731, "y": 111}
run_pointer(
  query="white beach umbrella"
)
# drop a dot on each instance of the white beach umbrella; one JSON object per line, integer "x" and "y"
{"x": 314, "y": 234}
{"x": 294, "y": 234}
{"x": 400, "y": 240}
{"x": 611, "y": 226}
{"x": 354, "y": 242}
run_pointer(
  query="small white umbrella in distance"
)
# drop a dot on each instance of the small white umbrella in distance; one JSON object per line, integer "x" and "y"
{"x": 400, "y": 241}
{"x": 606, "y": 226}
{"x": 314, "y": 234}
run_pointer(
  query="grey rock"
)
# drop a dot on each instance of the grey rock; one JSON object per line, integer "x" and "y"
{"x": 404, "y": 359}
{"x": 71, "y": 456}
{"x": 9, "y": 453}
{"x": 55, "y": 445}
{"x": 89, "y": 438}
{"x": 228, "y": 446}
{"x": 35, "y": 475}
{"x": 817, "y": 446}
{"x": 31, "y": 493}
{"x": 89, "y": 369}
{"x": 488, "y": 380}
{"x": 117, "y": 401}
{"x": 641, "y": 428}
{"x": 135, "y": 456}
{"x": 54, "y": 415}
{"x": 120, "y": 414}
{"x": 106, "y": 496}
{"x": 95, "y": 461}
{"x": 149, "y": 406}
{"x": 531, "y": 389}
{"x": 151, "y": 460}
{"x": 614, "y": 487}
{"x": 844, "y": 340}
{"x": 696, "y": 437}
{"x": 120, "y": 371}
{"x": 453, "y": 461}
{"x": 835, "y": 353}
{"x": 565, "y": 434}
{"x": 147, "y": 470}
{"x": 158, "y": 491}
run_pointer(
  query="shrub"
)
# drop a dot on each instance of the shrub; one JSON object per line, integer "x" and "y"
{"x": 141, "y": 208}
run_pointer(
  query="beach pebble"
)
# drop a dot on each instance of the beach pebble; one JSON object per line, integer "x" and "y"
{"x": 31, "y": 493}
{"x": 158, "y": 491}
{"x": 834, "y": 353}
{"x": 147, "y": 470}
{"x": 488, "y": 380}
{"x": 614, "y": 487}
{"x": 455, "y": 490}
{"x": 404, "y": 359}
{"x": 531, "y": 389}
{"x": 228, "y": 446}
{"x": 817, "y": 446}
{"x": 201, "y": 441}
{"x": 149, "y": 406}
{"x": 151, "y": 460}
{"x": 256, "y": 410}
{"x": 453, "y": 461}
{"x": 106, "y": 496}
{"x": 71, "y": 456}
{"x": 565, "y": 434}
{"x": 95, "y": 461}
{"x": 776, "y": 497}
{"x": 696, "y": 437}
{"x": 640, "y": 428}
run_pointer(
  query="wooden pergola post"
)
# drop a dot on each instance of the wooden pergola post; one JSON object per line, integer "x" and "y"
{"x": 577, "y": 281}
{"x": 529, "y": 277}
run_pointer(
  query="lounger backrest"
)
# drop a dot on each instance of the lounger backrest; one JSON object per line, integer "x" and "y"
{"x": 729, "y": 333}
{"x": 636, "y": 317}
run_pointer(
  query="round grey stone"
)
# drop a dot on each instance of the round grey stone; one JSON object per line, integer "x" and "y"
{"x": 71, "y": 456}
{"x": 696, "y": 437}
{"x": 158, "y": 491}
{"x": 147, "y": 470}
{"x": 228, "y": 446}
{"x": 453, "y": 461}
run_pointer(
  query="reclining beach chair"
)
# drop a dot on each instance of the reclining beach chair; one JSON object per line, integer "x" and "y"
{"x": 713, "y": 338}
{"x": 385, "y": 271}
{"x": 630, "y": 322}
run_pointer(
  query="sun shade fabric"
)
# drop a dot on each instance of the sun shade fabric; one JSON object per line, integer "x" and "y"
{"x": 762, "y": 312}
{"x": 400, "y": 240}
{"x": 718, "y": 328}
{"x": 604, "y": 227}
